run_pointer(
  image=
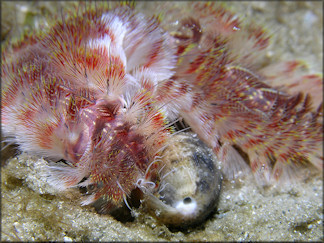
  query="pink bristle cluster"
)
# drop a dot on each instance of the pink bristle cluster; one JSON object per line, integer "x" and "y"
{"x": 232, "y": 103}
{"x": 84, "y": 93}
{"x": 100, "y": 88}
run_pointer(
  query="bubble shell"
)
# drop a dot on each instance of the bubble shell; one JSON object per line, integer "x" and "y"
{"x": 188, "y": 192}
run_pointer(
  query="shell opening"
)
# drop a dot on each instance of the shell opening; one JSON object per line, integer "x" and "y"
{"x": 187, "y": 206}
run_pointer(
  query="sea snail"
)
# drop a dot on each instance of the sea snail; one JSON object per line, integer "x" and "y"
{"x": 190, "y": 187}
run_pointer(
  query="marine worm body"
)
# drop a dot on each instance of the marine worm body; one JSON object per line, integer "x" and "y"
{"x": 101, "y": 89}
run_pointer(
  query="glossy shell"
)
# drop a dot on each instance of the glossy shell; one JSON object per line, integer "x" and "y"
{"x": 189, "y": 187}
